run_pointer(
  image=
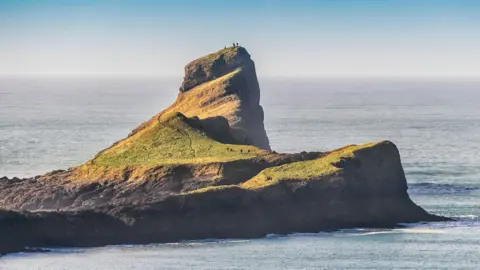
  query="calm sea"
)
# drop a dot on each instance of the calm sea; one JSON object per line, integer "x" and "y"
{"x": 47, "y": 124}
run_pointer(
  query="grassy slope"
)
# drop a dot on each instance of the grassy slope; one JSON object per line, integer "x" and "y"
{"x": 302, "y": 170}
{"x": 203, "y": 101}
{"x": 207, "y": 99}
{"x": 167, "y": 140}
{"x": 172, "y": 141}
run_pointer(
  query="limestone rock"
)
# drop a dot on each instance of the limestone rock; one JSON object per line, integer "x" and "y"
{"x": 223, "y": 84}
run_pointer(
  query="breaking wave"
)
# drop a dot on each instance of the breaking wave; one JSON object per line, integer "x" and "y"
{"x": 440, "y": 189}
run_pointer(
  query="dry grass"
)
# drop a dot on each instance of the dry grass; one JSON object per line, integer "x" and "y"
{"x": 204, "y": 101}
{"x": 208, "y": 189}
{"x": 208, "y": 100}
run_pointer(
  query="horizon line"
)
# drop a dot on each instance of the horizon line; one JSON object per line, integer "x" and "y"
{"x": 159, "y": 76}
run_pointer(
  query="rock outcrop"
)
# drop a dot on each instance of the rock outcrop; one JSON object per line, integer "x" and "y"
{"x": 201, "y": 169}
{"x": 223, "y": 84}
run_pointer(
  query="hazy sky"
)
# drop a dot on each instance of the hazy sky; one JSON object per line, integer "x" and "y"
{"x": 285, "y": 38}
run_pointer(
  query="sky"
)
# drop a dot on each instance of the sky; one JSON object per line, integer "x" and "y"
{"x": 300, "y": 38}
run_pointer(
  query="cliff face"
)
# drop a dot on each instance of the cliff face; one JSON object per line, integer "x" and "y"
{"x": 202, "y": 169}
{"x": 223, "y": 84}
{"x": 216, "y": 65}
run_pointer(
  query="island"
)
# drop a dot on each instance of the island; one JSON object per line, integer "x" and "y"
{"x": 203, "y": 168}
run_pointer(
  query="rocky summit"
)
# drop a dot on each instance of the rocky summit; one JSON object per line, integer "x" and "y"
{"x": 223, "y": 84}
{"x": 203, "y": 168}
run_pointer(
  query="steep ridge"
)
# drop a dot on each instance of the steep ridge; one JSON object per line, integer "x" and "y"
{"x": 223, "y": 84}
{"x": 202, "y": 168}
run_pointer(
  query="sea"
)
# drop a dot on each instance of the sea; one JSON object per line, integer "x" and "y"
{"x": 49, "y": 123}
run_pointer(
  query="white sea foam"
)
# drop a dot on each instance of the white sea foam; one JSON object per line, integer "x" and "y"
{"x": 419, "y": 230}
{"x": 466, "y": 217}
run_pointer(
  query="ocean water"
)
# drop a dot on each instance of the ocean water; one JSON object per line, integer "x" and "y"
{"x": 49, "y": 123}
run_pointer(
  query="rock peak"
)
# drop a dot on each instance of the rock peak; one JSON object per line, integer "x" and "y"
{"x": 214, "y": 65}
{"x": 222, "y": 84}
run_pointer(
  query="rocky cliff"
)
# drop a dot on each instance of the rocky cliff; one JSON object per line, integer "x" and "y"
{"x": 202, "y": 168}
{"x": 223, "y": 84}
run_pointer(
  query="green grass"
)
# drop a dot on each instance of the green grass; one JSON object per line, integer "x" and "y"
{"x": 303, "y": 170}
{"x": 227, "y": 53}
{"x": 171, "y": 140}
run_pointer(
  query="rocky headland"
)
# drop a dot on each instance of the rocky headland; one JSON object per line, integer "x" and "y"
{"x": 203, "y": 168}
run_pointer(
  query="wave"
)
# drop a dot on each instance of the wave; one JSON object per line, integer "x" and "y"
{"x": 200, "y": 242}
{"x": 396, "y": 231}
{"x": 459, "y": 221}
{"x": 41, "y": 250}
{"x": 410, "y": 228}
{"x": 440, "y": 189}
{"x": 419, "y": 230}
{"x": 466, "y": 217}
{"x": 444, "y": 173}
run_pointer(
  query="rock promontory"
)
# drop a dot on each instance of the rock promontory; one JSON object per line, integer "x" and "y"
{"x": 223, "y": 84}
{"x": 203, "y": 168}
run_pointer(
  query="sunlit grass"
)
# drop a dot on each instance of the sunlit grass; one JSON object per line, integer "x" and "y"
{"x": 172, "y": 141}
{"x": 304, "y": 170}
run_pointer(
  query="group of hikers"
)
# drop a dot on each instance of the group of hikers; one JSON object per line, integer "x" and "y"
{"x": 234, "y": 45}
{"x": 241, "y": 150}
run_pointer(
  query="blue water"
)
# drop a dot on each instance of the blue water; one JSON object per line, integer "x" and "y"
{"x": 47, "y": 124}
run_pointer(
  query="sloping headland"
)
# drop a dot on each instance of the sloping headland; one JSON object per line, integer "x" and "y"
{"x": 203, "y": 168}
